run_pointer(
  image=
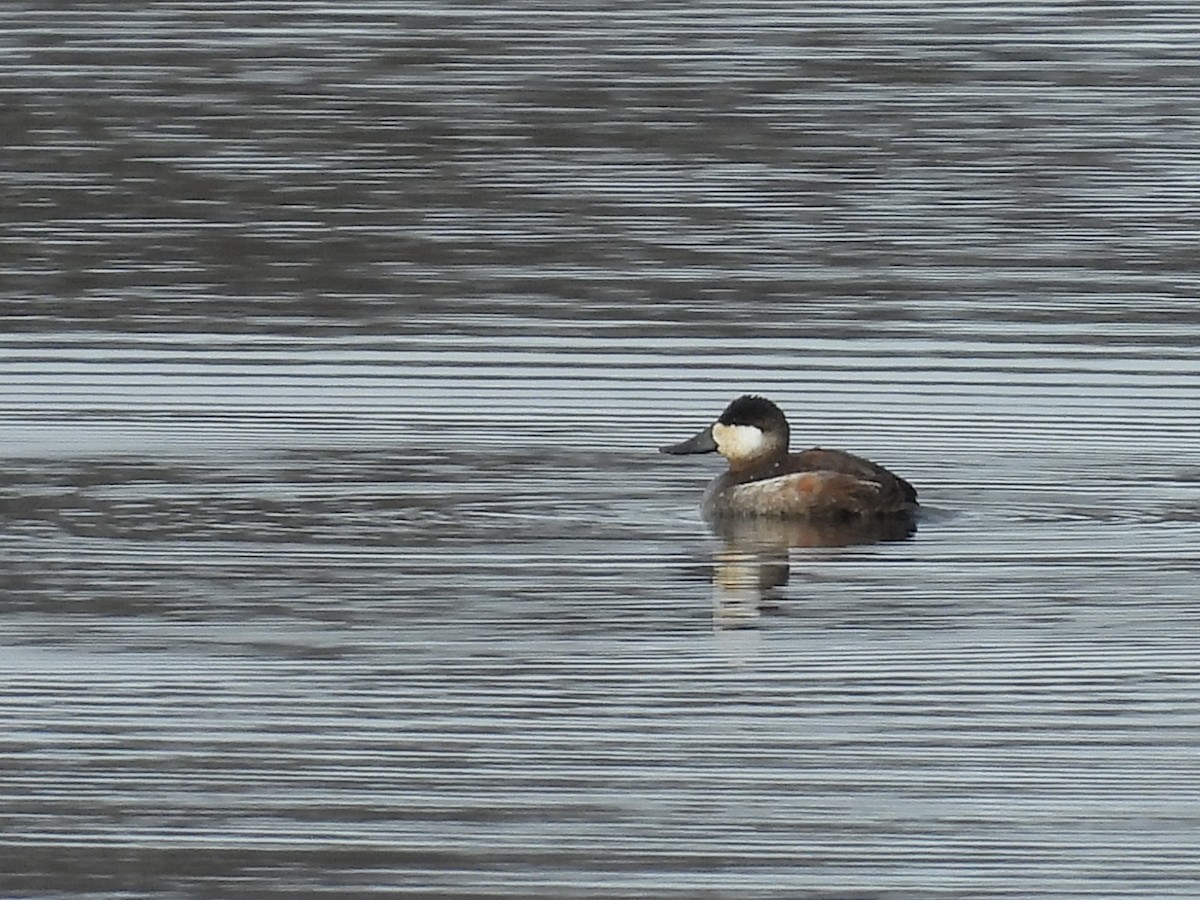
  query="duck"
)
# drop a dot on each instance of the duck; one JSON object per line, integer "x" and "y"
{"x": 766, "y": 480}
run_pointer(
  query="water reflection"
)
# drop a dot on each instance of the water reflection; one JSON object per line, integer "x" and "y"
{"x": 752, "y": 566}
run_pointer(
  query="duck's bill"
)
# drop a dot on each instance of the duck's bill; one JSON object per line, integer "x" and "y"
{"x": 701, "y": 443}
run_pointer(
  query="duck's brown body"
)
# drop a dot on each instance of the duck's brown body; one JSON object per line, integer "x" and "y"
{"x": 817, "y": 483}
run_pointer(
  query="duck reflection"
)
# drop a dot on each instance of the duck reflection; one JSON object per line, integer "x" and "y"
{"x": 752, "y": 567}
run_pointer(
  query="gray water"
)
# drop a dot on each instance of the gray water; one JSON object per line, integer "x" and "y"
{"x": 337, "y": 556}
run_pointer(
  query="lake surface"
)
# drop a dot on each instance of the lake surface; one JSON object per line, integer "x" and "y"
{"x": 338, "y": 557}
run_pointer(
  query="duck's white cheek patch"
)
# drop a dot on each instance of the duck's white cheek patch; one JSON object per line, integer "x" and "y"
{"x": 734, "y": 441}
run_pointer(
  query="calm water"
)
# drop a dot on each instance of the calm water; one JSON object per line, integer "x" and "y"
{"x": 337, "y": 556}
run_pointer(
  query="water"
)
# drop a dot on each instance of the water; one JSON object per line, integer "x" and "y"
{"x": 338, "y": 558}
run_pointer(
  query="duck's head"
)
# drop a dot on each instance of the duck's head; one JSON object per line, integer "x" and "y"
{"x": 751, "y": 430}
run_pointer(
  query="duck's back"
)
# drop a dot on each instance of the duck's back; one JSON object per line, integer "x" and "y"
{"x": 847, "y": 463}
{"x": 816, "y": 483}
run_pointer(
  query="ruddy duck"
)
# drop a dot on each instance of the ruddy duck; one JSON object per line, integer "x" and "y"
{"x": 764, "y": 479}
